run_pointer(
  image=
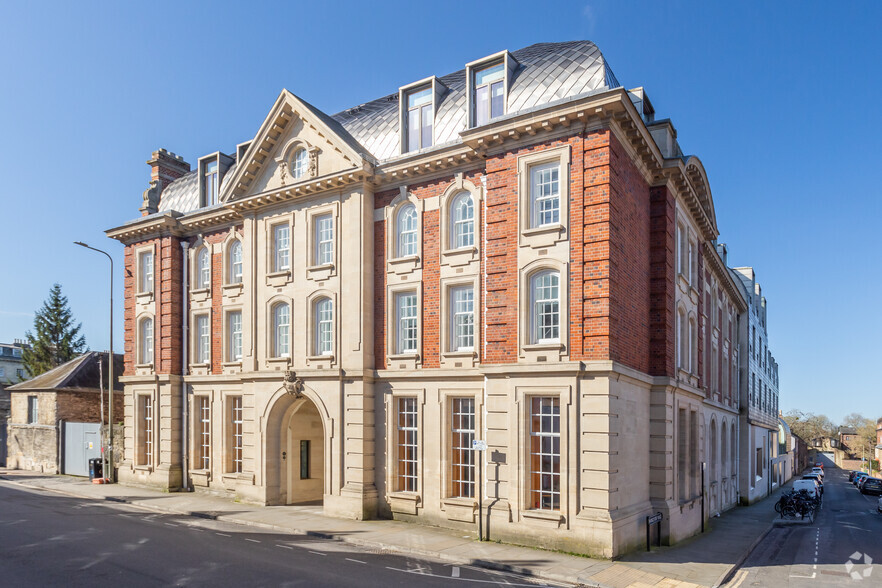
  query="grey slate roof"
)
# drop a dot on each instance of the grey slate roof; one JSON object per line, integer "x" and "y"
{"x": 78, "y": 375}
{"x": 547, "y": 73}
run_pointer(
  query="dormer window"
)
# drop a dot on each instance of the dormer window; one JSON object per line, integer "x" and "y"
{"x": 211, "y": 183}
{"x": 489, "y": 98}
{"x": 419, "y": 119}
{"x": 299, "y": 163}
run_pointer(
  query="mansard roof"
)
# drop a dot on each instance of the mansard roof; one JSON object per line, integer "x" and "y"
{"x": 545, "y": 74}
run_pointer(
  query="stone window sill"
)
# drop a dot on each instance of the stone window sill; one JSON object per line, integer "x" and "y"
{"x": 233, "y": 290}
{"x": 279, "y": 278}
{"x": 545, "y": 518}
{"x": 144, "y": 297}
{"x": 461, "y": 256}
{"x": 404, "y": 502}
{"x": 544, "y": 236}
{"x": 404, "y": 265}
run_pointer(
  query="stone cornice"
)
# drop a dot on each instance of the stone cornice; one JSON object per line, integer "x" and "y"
{"x": 334, "y": 181}
{"x": 148, "y": 228}
{"x": 722, "y": 273}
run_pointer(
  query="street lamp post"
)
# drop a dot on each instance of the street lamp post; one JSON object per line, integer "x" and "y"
{"x": 109, "y": 475}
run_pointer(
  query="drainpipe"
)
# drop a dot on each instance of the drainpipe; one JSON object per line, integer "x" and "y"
{"x": 483, "y": 277}
{"x": 185, "y": 412}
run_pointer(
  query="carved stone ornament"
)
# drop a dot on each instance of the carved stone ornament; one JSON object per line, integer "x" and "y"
{"x": 151, "y": 197}
{"x": 313, "y": 163}
{"x": 292, "y": 384}
{"x": 283, "y": 171}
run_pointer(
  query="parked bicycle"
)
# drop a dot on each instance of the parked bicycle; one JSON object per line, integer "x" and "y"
{"x": 798, "y": 503}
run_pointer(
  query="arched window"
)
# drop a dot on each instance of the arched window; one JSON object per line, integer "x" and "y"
{"x": 682, "y": 349}
{"x": 693, "y": 346}
{"x": 281, "y": 330}
{"x": 146, "y": 340}
{"x": 324, "y": 327}
{"x": 300, "y": 163}
{"x": 203, "y": 269}
{"x": 463, "y": 226}
{"x": 406, "y": 226}
{"x": 545, "y": 298}
{"x": 236, "y": 262}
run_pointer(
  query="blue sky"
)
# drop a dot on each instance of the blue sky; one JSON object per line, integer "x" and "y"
{"x": 779, "y": 100}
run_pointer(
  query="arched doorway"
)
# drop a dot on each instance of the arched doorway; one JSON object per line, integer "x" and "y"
{"x": 303, "y": 466}
{"x": 296, "y": 451}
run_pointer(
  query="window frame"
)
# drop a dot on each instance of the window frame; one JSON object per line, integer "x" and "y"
{"x": 400, "y": 232}
{"x": 201, "y": 348}
{"x": 324, "y": 239}
{"x": 320, "y": 269}
{"x": 460, "y": 439}
{"x": 530, "y": 348}
{"x": 298, "y": 171}
{"x": 396, "y": 263}
{"x": 33, "y": 408}
{"x": 546, "y": 235}
{"x": 202, "y": 268}
{"x": 146, "y": 348}
{"x": 401, "y": 329}
{"x": 274, "y": 331}
{"x": 235, "y": 437}
{"x": 509, "y": 64}
{"x": 234, "y": 276}
{"x": 280, "y": 256}
{"x": 450, "y": 357}
{"x": 143, "y": 286}
{"x": 145, "y": 431}
{"x": 323, "y": 323}
{"x": 454, "y": 314}
{"x": 411, "y": 480}
{"x": 476, "y": 88}
{"x": 534, "y": 326}
{"x": 420, "y": 110}
{"x": 437, "y": 89}
{"x": 456, "y": 222}
{"x": 230, "y": 335}
{"x": 202, "y": 432}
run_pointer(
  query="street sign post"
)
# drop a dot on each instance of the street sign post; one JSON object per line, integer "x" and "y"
{"x": 479, "y": 447}
{"x": 655, "y": 519}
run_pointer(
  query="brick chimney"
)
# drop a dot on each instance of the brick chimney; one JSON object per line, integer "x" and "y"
{"x": 165, "y": 167}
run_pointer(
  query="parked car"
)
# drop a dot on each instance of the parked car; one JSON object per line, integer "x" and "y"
{"x": 879, "y": 504}
{"x": 872, "y": 486}
{"x": 863, "y": 481}
{"x": 857, "y": 477}
{"x": 819, "y": 471}
{"x": 817, "y": 479}
{"x": 810, "y": 486}
{"x": 819, "y": 465}
{"x": 851, "y": 475}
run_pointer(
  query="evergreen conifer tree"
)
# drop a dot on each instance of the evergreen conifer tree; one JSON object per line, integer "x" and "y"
{"x": 56, "y": 340}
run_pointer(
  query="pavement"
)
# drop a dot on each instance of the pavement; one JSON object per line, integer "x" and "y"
{"x": 709, "y": 559}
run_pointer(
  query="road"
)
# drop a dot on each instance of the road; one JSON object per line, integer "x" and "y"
{"x": 815, "y": 555}
{"x": 47, "y": 540}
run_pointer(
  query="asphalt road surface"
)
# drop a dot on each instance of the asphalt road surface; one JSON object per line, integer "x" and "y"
{"x": 848, "y": 528}
{"x": 52, "y": 540}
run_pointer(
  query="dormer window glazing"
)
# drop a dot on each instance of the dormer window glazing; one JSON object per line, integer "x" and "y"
{"x": 419, "y": 119}
{"x": 489, "y": 93}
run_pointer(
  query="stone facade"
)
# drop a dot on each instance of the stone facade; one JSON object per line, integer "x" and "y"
{"x": 591, "y": 424}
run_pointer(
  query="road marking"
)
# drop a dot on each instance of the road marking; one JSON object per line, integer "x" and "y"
{"x": 741, "y": 576}
{"x": 476, "y": 580}
{"x": 284, "y": 546}
{"x": 170, "y": 524}
{"x": 318, "y": 553}
{"x": 356, "y": 560}
{"x": 252, "y": 540}
{"x": 454, "y": 572}
{"x": 812, "y": 577}
{"x": 222, "y": 534}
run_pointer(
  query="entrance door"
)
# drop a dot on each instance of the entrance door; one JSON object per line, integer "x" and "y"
{"x": 305, "y": 455}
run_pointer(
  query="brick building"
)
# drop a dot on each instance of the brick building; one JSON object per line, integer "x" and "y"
{"x": 517, "y": 252}
{"x": 69, "y": 393}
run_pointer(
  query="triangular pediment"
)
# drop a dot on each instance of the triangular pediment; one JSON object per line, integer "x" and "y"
{"x": 293, "y": 125}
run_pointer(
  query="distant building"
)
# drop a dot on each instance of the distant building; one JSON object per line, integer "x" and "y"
{"x": 43, "y": 407}
{"x": 762, "y": 468}
{"x": 11, "y": 371}
{"x": 845, "y": 437}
